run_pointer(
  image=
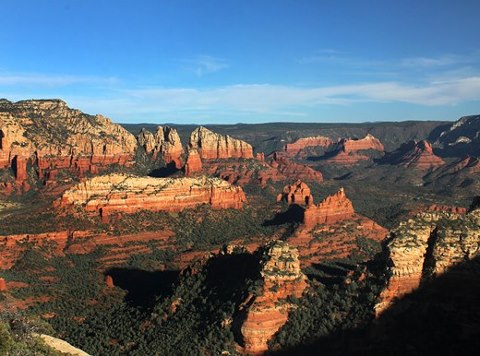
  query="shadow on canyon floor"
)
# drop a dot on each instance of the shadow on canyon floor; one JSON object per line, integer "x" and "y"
{"x": 441, "y": 317}
{"x": 143, "y": 286}
{"x": 163, "y": 172}
{"x": 294, "y": 214}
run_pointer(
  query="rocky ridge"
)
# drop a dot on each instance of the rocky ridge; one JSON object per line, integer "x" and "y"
{"x": 165, "y": 142}
{"x": 426, "y": 246}
{"x": 415, "y": 154}
{"x": 51, "y": 137}
{"x": 211, "y": 145}
{"x": 293, "y": 170}
{"x": 119, "y": 193}
{"x": 267, "y": 311}
{"x": 348, "y": 151}
{"x": 294, "y": 148}
{"x": 333, "y": 208}
{"x": 296, "y": 193}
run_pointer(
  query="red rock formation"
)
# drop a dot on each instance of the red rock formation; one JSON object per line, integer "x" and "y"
{"x": 54, "y": 137}
{"x": 20, "y": 168}
{"x": 211, "y": 145}
{"x": 348, "y": 151}
{"x": 292, "y": 170}
{"x": 447, "y": 208}
{"x": 3, "y": 285}
{"x": 109, "y": 281}
{"x": 118, "y": 193}
{"x": 296, "y": 193}
{"x": 260, "y": 156}
{"x": 369, "y": 142}
{"x": 425, "y": 246}
{"x": 193, "y": 164}
{"x": 294, "y": 148}
{"x": 418, "y": 155}
{"x": 268, "y": 311}
{"x": 332, "y": 209}
{"x": 165, "y": 142}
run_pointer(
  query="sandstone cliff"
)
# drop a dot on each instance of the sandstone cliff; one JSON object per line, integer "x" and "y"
{"x": 268, "y": 311}
{"x": 296, "y": 193}
{"x": 418, "y": 155}
{"x": 118, "y": 193}
{"x": 332, "y": 209}
{"x": 294, "y": 148}
{"x": 348, "y": 151}
{"x": 292, "y": 170}
{"x": 458, "y": 174}
{"x": 165, "y": 142}
{"x": 424, "y": 247}
{"x": 52, "y": 137}
{"x": 211, "y": 145}
{"x": 193, "y": 164}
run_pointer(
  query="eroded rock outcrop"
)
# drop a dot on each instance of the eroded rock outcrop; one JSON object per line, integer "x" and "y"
{"x": 333, "y": 208}
{"x": 211, "y": 145}
{"x": 293, "y": 170}
{"x": 165, "y": 143}
{"x": 52, "y": 137}
{"x": 117, "y": 193}
{"x": 294, "y": 148}
{"x": 350, "y": 151}
{"x": 3, "y": 285}
{"x": 193, "y": 164}
{"x": 424, "y": 247}
{"x": 267, "y": 311}
{"x": 413, "y": 154}
{"x": 296, "y": 193}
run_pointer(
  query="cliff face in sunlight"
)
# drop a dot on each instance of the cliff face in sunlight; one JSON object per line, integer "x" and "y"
{"x": 425, "y": 247}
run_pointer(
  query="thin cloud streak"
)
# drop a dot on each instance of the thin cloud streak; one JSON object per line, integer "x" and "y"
{"x": 270, "y": 101}
{"x": 204, "y": 64}
{"x": 53, "y": 80}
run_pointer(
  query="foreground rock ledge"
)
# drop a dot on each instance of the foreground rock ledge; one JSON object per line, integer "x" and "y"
{"x": 119, "y": 193}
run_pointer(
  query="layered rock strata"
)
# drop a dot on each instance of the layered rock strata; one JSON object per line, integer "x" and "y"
{"x": 267, "y": 311}
{"x": 294, "y": 148}
{"x": 212, "y": 145}
{"x": 296, "y": 193}
{"x": 333, "y": 208}
{"x": 418, "y": 155}
{"x": 349, "y": 151}
{"x": 424, "y": 247}
{"x": 165, "y": 143}
{"x": 52, "y": 137}
{"x": 193, "y": 164}
{"x": 293, "y": 170}
{"x": 117, "y": 193}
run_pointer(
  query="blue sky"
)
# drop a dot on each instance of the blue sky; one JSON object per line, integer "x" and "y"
{"x": 227, "y": 61}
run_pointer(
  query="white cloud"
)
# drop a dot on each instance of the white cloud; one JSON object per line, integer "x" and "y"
{"x": 45, "y": 80}
{"x": 203, "y": 64}
{"x": 266, "y": 100}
